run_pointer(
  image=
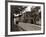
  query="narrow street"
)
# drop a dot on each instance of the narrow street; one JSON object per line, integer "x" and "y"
{"x": 29, "y": 27}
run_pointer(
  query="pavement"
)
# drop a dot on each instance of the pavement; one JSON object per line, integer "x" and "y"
{"x": 29, "y": 27}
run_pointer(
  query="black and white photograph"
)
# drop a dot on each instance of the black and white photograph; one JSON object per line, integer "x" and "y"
{"x": 24, "y": 18}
